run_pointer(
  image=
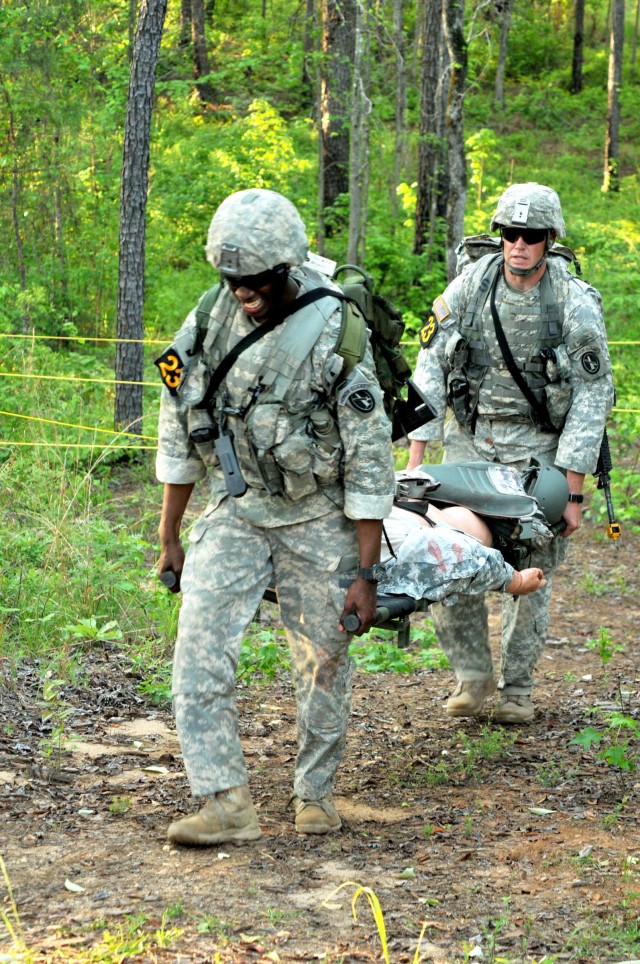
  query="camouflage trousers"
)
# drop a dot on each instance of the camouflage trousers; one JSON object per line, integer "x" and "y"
{"x": 463, "y": 630}
{"x": 229, "y": 564}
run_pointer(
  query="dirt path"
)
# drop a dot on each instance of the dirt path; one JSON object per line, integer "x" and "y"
{"x": 510, "y": 845}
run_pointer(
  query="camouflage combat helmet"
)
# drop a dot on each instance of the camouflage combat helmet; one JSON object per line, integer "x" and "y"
{"x": 254, "y": 231}
{"x": 529, "y": 205}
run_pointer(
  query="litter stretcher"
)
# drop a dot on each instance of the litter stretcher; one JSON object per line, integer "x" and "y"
{"x": 523, "y": 510}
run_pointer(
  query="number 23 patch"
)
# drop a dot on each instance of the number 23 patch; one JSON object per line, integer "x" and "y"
{"x": 428, "y": 330}
{"x": 170, "y": 366}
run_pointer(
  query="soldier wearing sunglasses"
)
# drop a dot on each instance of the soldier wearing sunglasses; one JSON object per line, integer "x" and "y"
{"x": 516, "y": 348}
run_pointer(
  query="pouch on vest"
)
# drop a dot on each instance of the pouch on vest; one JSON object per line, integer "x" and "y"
{"x": 326, "y": 449}
{"x": 282, "y": 451}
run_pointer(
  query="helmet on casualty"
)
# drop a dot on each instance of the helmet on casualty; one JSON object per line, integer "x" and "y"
{"x": 254, "y": 231}
{"x": 549, "y": 487}
{"x": 529, "y": 205}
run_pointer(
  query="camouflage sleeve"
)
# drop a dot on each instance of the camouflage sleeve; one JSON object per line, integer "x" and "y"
{"x": 177, "y": 460}
{"x": 431, "y": 368}
{"x": 591, "y": 381}
{"x": 365, "y": 432}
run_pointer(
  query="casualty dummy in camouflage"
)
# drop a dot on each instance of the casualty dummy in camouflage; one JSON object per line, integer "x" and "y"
{"x": 554, "y": 328}
{"x": 300, "y": 475}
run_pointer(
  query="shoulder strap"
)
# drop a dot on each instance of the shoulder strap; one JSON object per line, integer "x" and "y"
{"x": 352, "y": 340}
{"x": 514, "y": 371}
{"x": 203, "y": 313}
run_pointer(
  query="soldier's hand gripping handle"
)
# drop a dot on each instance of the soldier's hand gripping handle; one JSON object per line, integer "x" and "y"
{"x": 170, "y": 579}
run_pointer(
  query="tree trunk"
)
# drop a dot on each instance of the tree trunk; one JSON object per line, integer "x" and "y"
{"x": 457, "y": 47}
{"x": 431, "y": 155}
{"x": 338, "y": 47}
{"x": 359, "y": 155}
{"x": 58, "y": 224}
{"x": 184, "y": 36}
{"x": 401, "y": 105}
{"x": 131, "y": 22}
{"x": 308, "y": 44}
{"x": 578, "y": 48}
{"x": 133, "y": 206}
{"x": 15, "y": 196}
{"x": 612, "y": 137}
{"x": 200, "y": 56}
{"x": 505, "y": 10}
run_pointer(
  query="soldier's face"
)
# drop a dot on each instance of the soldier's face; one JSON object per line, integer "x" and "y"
{"x": 257, "y": 302}
{"x": 519, "y": 254}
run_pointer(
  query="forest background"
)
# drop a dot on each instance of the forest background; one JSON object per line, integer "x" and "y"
{"x": 237, "y": 102}
{"x": 254, "y": 119}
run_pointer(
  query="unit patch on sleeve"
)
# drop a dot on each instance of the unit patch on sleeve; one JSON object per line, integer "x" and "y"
{"x": 428, "y": 330}
{"x": 170, "y": 366}
{"x": 590, "y": 363}
{"x": 358, "y": 396}
{"x": 441, "y": 309}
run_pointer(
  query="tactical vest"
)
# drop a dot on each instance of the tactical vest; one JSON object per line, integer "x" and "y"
{"x": 285, "y": 441}
{"x": 532, "y": 323}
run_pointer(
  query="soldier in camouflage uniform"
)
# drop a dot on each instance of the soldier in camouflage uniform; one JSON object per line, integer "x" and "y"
{"x": 554, "y": 327}
{"x": 298, "y": 489}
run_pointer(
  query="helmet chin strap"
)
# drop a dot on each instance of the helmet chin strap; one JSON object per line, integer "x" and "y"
{"x": 525, "y": 272}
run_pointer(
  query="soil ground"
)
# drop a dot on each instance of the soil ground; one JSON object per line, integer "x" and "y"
{"x": 509, "y": 844}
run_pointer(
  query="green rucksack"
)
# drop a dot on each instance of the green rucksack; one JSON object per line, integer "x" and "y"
{"x": 363, "y": 309}
{"x": 407, "y": 411}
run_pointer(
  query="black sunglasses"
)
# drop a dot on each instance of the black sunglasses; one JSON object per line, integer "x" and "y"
{"x": 528, "y": 235}
{"x": 254, "y": 281}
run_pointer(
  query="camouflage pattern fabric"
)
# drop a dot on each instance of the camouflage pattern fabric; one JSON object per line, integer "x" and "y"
{"x": 512, "y": 439}
{"x": 463, "y": 630}
{"x": 330, "y": 458}
{"x": 504, "y": 438}
{"x": 229, "y": 564}
{"x": 350, "y": 466}
{"x": 530, "y": 205}
{"x": 438, "y": 562}
{"x": 255, "y": 230}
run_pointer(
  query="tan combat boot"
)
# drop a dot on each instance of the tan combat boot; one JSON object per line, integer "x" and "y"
{"x": 513, "y": 709}
{"x": 468, "y": 696}
{"x": 316, "y": 816}
{"x": 229, "y": 815}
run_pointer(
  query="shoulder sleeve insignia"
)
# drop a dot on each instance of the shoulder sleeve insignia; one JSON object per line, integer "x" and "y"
{"x": 441, "y": 308}
{"x": 428, "y": 330}
{"x": 170, "y": 367}
{"x": 590, "y": 361}
{"x": 359, "y": 397}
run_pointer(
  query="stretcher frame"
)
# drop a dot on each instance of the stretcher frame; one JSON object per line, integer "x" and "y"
{"x": 393, "y": 613}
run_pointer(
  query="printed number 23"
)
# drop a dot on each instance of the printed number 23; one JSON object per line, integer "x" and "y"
{"x": 170, "y": 370}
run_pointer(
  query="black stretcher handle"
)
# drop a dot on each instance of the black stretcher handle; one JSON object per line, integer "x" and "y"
{"x": 170, "y": 579}
{"x": 389, "y": 607}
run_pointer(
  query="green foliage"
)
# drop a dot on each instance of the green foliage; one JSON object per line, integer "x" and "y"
{"x": 77, "y": 568}
{"x": 377, "y": 652}
{"x": 605, "y": 645}
{"x": 618, "y": 741}
{"x": 75, "y": 572}
{"x": 263, "y": 654}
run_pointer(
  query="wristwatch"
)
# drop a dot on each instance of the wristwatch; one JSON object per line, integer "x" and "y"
{"x": 370, "y": 573}
{"x": 576, "y": 497}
